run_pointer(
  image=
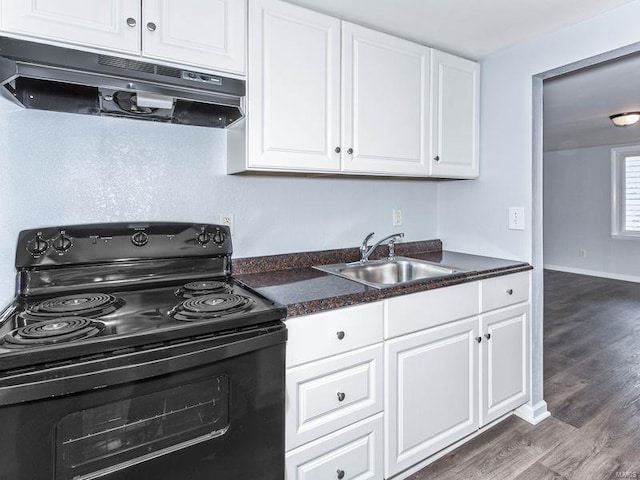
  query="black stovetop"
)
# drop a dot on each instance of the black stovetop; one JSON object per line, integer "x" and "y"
{"x": 112, "y": 290}
{"x": 138, "y": 317}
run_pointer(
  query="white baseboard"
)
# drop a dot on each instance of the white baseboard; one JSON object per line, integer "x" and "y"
{"x": 533, "y": 414}
{"x": 594, "y": 273}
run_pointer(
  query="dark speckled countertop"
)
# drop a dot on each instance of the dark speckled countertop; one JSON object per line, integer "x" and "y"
{"x": 290, "y": 279}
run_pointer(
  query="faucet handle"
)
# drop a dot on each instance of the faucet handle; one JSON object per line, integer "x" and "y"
{"x": 392, "y": 249}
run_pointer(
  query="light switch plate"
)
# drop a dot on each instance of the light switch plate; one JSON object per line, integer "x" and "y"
{"x": 396, "y": 218}
{"x": 516, "y": 218}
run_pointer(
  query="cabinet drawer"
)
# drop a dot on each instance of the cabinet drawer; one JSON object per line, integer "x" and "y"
{"x": 411, "y": 313}
{"x": 329, "y": 394}
{"x": 356, "y": 451}
{"x": 499, "y": 292}
{"x": 321, "y": 335}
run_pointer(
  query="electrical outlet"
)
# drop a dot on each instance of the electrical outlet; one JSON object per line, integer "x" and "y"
{"x": 582, "y": 253}
{"x": 516, "y": 218}
{"x": 227, "y": 219}
{"x": 396, "y": 218}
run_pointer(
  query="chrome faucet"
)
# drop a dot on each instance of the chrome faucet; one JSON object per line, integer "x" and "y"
{"x": 365, "y": 251}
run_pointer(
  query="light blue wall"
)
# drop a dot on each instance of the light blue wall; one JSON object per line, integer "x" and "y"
{"x": 577, "y": 215}
{"x": 58, "y": 169}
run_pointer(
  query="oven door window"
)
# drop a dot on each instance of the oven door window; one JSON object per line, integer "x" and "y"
{"x": 104, "y": 439}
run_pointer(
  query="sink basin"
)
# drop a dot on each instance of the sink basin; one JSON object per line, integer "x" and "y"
{"x": 385, "y": 273}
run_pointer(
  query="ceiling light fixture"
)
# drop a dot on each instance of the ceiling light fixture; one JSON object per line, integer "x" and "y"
{"x": 625, "y": 119}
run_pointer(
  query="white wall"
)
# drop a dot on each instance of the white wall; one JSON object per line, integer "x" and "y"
{"x": 58, "y": 169}
{"x": 472, "y": 216}
{"x": 577, "y": 214}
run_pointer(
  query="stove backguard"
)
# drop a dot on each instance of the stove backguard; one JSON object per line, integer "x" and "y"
{"x": 84, "y": 257}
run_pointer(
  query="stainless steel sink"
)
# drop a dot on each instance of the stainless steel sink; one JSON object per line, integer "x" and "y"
{"x": 385, "y": 273}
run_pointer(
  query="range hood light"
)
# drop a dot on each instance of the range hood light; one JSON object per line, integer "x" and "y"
{"x": 625, "y": 119}
{"x": 151, "y": 100}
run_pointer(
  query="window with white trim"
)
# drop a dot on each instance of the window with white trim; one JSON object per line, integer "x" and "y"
{"x": 625, "y": 189}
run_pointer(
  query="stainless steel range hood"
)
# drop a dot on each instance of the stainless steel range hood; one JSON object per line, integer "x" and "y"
{"x": 60, "y": 79}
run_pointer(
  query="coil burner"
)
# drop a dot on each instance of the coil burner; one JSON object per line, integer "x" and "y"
{"x": 48, "y": 332}
{"x": 207, "y": 307}
{"x": 81, "y": 305}
{"x": 205, "y": 287}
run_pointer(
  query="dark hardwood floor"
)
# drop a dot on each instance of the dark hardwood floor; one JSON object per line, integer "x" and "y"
{"x": 591, "y": 385}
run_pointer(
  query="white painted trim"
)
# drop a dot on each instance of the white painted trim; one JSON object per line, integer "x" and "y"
{"x": 618, "y": 189}
{"x": 533, "y": 414}
{"x": 419, "y": 466}
{"x": 594, "y": 273}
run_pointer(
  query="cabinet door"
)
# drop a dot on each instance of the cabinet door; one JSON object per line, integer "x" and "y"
{"x": 385, "y": 103}
{"x": 432, "y": 392}
{"x": 111, "y": 24}
{"x": 505, "y": 361}
{"x": 455, "y": 87}
{"x": 204, "y": 33}
{"x": 294, "y": 88}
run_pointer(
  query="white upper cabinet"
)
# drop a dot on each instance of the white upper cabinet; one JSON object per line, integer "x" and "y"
{"x": 293, "y": 93}
{"x": 385, "y": 110}
{"x": 207, "y": 33}
{"x": 326, "y": 96}
{"x": 455, "y": 91}
{"x": 111, "y": 24}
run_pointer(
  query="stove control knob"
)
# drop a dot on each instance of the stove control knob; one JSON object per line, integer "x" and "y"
{"x": 37, "y": 246}
{"x": 139, "y": 239}
{"x": 203, "y": 238}
{"x": 62, "y": 243}
{"x": 219, "y": 237}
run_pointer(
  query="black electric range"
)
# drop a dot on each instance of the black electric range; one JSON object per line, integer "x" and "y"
{"x": 111, "y": 315}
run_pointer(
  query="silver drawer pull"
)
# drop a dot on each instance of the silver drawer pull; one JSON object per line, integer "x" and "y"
{"x": 510, "y": 291}
{"x": 340, "y": 335}
{"x": 340, "y": 474}
{"x": 131, "y": 22}
{"x": 341, "y": 396}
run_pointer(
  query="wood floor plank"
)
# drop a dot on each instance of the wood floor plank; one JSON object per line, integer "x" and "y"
{"x": 538, "y": 471}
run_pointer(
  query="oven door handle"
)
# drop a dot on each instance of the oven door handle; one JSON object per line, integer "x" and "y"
{"x": 93, "y": 374}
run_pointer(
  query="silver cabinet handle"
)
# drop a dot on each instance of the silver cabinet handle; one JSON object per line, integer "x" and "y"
{"x": 340, "y": 474}
{"x": 151, "y": 27}
{"x": 338, "y": 150}
{"x": 341, "y": 396}
{"x": 340, "y": 335}
{"x": 510, "y": 291}
{"x": 437, "y": 158}
{"x": 487, "y": 336}
{"x": 131, "y": 22}
{"x": 350, "y": 151}
{"x": 478, "y": 339}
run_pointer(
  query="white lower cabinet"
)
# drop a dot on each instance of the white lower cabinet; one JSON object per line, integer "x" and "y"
{"x": 334, "y": 402}
{"x": 354, "y": 453}
{"x": 505, "y": 361}
{"x": 432, "y": 392}
{"x": 427, "y": 368}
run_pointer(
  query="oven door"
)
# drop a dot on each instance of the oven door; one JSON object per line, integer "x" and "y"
{"x": 222, "y": 418}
